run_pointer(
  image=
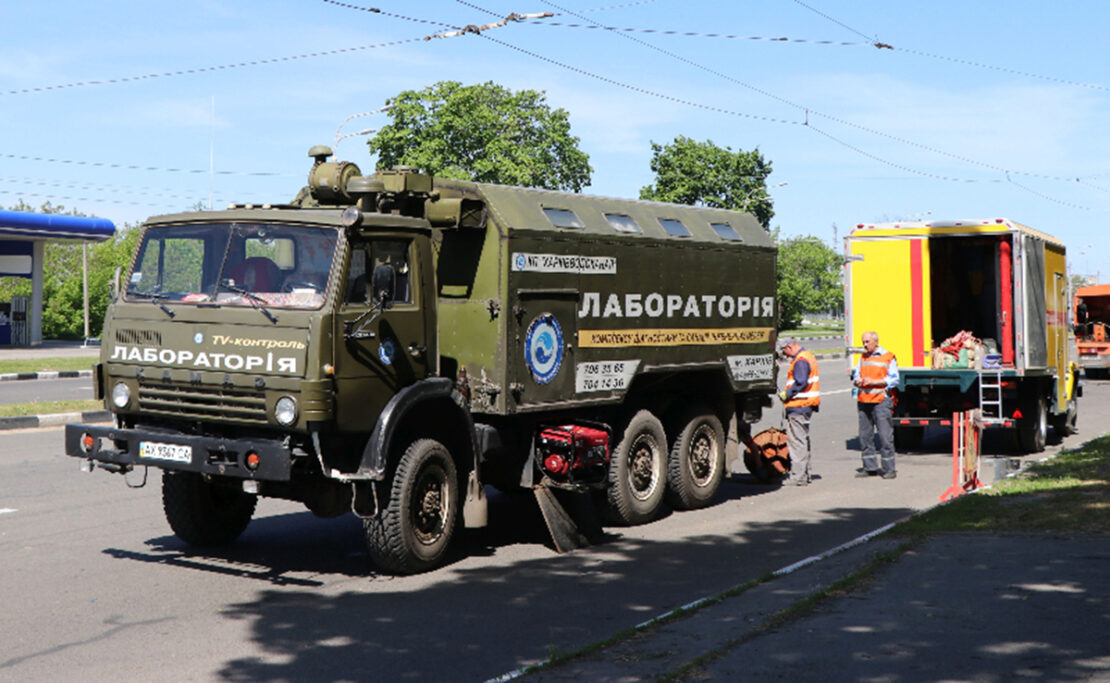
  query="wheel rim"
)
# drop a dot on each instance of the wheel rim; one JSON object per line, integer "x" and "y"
{"x": 703, "y": 456}
{"x": 643, "y": 473}
{"x": 430, "y": 501}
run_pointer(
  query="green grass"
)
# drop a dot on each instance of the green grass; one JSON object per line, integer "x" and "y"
{"x": 1070, "y": 493}
{"x": 46, "y": 364}
{"x": 48, "y": 407}
{"x": 813, "y": 331}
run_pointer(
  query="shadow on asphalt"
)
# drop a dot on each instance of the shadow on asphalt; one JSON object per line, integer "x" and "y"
{"x": 441, "y": 625}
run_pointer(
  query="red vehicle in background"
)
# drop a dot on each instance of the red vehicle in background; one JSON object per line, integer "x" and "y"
{"x": 1091, "y": 310}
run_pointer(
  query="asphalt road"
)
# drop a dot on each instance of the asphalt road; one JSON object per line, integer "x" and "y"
{"x": 94, "y": 586}
{"x": 33, "y": 390}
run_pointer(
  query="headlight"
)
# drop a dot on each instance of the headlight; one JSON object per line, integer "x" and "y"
{"x": 121, "y": 395}
{"x": 285, "y": 410}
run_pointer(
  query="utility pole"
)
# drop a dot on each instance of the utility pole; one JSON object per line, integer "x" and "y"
{"x": 85, "y": 284}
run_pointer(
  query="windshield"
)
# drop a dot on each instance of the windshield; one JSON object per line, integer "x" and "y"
{"x": 242, "y": 264}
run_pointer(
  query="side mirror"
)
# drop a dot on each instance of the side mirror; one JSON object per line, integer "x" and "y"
{"x": 384, "y": 285}
{"x": 113, "y": 286}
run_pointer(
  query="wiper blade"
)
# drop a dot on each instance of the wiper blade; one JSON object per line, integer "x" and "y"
{"x": 155, "y": 298}
{"x": 256, "y": 301}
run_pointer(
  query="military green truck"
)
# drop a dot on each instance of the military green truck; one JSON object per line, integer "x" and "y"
{"x": 390, "y": 344}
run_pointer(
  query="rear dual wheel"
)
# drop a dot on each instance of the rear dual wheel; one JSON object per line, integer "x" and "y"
{"x": 637, "y": 471}
{"x": 1032, "y": 428}
{"x": 696, "y": 465}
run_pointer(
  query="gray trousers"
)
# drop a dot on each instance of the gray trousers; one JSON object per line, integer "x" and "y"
{"x": 877, "y": 417}
{"x": 797, "y": 440}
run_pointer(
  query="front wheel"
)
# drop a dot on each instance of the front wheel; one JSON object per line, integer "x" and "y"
{"x": 414, "y": 530}
{"x": 696, "y": 464}
{"x": 637, "y": 471}
{"x": 202, "y": 513}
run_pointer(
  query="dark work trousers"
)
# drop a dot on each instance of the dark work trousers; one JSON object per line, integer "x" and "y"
{"x": 797, "y": 443}
{"x": 872, "y": 417}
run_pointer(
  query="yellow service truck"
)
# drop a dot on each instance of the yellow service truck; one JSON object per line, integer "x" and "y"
{"x": 995, "y": 289}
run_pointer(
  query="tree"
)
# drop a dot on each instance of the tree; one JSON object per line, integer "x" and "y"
{"x": 809, "y": 279}
{"x": 485, "y": 133}
{"x": 703, "y": 174}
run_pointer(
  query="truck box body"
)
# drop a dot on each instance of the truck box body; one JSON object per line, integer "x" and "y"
{"x": 620, "y": 295}
{"x": 919, "y": 283}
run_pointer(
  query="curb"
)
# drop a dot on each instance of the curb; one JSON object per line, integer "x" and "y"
{"x": 53, "y": 419}
{"x": 49, "y": 374}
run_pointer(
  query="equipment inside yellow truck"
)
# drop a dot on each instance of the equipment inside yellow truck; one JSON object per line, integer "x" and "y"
{"x": 965, "y": 288}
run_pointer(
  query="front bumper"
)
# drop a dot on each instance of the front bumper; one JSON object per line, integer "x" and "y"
{"x": 208, "y": 455}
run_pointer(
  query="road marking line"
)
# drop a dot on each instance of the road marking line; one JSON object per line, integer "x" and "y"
{"x": 3, "y": 510}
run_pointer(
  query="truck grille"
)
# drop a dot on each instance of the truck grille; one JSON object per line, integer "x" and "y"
{"x": 203, "y": 402}
{"x": 139, "y": 337}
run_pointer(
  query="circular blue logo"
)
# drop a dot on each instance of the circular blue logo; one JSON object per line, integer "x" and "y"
{"x": 387, "y": 351}
{"x": 543, "y": 348}
{"x": 521, "y": 262}
{"x": 198, "y": 338}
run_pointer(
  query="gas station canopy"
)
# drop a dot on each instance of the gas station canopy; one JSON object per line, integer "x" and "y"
{"x": 22, "y": 235}
{"x": 50, "y": 226}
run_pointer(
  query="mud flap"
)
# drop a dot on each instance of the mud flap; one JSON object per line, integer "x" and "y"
{"x": 570, "y": 517}
{"x": 475, "y": 507}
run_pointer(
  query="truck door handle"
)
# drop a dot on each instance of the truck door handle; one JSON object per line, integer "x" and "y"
{"x": 416, "y": 350}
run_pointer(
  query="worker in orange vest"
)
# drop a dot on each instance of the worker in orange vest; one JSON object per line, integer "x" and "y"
{"x": 801, "y": 398}
{"x": 875, "y": 377}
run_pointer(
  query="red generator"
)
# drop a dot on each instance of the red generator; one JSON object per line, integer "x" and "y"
{"x": 574, "y": 453}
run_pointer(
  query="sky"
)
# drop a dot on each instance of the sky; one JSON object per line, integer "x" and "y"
{"x": 867, "y": 111}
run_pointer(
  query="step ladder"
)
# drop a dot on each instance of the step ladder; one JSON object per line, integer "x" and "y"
{"x": 990, "y": 396}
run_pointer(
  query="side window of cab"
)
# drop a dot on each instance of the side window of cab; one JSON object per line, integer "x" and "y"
{"x": 366, "y": 257}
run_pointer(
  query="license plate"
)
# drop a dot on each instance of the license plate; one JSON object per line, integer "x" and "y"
{"x": 165, "y": 451}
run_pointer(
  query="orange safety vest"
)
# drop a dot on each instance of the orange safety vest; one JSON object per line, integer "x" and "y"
{"x": 874, "y": 368}
{"x": 811, "y": 394}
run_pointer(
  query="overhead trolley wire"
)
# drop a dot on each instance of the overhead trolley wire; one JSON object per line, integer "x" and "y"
{"x": 49, "y": 197}
{"x": 809, "y": 111}
{"x": 835, "y": 43}
{"x": 957, "y": 60}
{"x": 638, "y": 89}
{"x": 481, "y": 30}
{"x": 117, "y": 189}
{"x": 136, "y": 167}
{"x": 698, "y": 34}
{"x": 858, "y": 150}
{"x": 835, "y": 21}
{"x": 207, "y": 69}
{"x": 1004, "y": 69}
{"x": 1046, "y": 197}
